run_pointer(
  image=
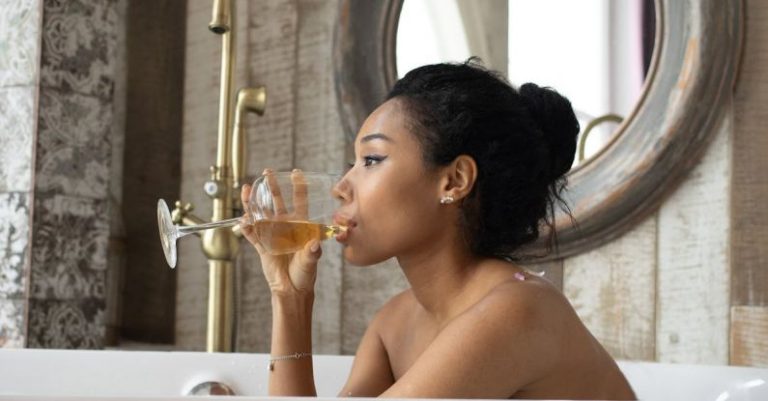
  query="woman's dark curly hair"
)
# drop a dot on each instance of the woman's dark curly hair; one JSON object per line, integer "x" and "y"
{"x": 523, "y": 142}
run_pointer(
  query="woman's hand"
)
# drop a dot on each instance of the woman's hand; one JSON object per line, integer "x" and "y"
{"x": 293, "y": 272}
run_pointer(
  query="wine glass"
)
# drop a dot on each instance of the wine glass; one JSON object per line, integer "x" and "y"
{"x": 287, "y": 210}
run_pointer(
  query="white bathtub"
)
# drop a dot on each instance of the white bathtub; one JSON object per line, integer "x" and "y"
{"x": 122, "y": 375}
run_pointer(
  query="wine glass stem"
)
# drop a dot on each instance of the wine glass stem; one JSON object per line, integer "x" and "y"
{"x": 184, "y": 230}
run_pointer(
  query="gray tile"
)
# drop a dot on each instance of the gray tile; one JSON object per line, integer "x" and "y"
{"x": 19, "y": 41}
{"x": 79, "y": 40}
{"x": 12, "y": 323}
{"x": 69, "y": 247}
{"x": 14, "y": 243}
{"x": 73, "y": 144}
{"x": 17, "y": 125}
{"x": 69, "y": 324}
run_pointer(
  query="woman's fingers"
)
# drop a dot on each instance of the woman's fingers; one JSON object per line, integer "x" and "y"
{"x": 300, "y": 201}
{"x": 246, "y": 227}
{"x": 245, "y": 199}
{"x": 245, "y": 193}
{"x": 249, "y": 232}
{"x": 277, "y": 195}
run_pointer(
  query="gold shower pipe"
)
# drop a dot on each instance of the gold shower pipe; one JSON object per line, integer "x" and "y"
{"x": 220, "y": 246}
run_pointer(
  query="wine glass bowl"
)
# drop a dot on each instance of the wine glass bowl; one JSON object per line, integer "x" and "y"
{"x": 288, "y": 210}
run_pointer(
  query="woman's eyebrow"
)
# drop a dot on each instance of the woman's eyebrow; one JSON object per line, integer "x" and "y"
{"x": 371, "y": 137}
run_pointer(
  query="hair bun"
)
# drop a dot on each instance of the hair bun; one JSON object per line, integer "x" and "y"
{"x": 554, "y": 115}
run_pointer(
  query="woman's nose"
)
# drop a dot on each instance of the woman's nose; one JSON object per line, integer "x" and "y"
{"x": 341, "y": 190}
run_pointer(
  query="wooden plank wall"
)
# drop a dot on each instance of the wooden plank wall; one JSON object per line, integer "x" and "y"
{"x": 613, "y": 291}
{"x": 201, "y": 83}
{"x": 749, "y": 197}
{"x": 688, "y": 284}
{"x": 693, "y": 266}
{"x": 270, "y": 60}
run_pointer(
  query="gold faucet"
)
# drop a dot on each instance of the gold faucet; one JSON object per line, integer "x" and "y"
{"x": 220, "y": 246}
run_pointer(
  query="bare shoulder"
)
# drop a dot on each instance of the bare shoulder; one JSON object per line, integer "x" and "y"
{"x": 530, "y": 312}
{"x": 532, "y": 300}
{"x": 546, "y": 335}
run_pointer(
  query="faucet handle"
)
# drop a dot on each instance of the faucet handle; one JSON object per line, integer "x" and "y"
{"x": 180, "y": 211}
{"x": 186, "y": 207}
{"x": 213, "y": 187}
{"x": 182, "y": 214}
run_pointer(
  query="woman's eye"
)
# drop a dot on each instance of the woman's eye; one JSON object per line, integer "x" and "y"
{"x": 372, "y": 160}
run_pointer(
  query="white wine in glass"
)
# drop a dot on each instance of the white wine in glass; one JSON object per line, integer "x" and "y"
{"x": 287, "y": 210}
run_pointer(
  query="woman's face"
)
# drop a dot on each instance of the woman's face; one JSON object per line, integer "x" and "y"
{"x": 388, "y": 199}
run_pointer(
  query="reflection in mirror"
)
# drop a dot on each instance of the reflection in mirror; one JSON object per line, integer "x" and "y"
{"x": 595, "y": 52}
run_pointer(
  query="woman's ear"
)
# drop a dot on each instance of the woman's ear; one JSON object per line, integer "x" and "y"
{"x": 459, "y": 177}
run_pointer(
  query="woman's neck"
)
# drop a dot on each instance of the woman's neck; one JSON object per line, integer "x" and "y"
{"x": 439, "y": 275}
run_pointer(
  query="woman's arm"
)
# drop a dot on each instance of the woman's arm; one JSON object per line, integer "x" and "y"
{"x": 291, "y": 335}
{"x": 371, "y": 372}
{"x": 291, "y": 280}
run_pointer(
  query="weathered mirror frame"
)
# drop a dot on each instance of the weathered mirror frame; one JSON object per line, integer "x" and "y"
{"x": 694, "y": 68}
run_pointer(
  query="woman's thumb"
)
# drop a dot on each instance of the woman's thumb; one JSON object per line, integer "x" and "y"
{"x": 312, "y": 252}
{"x": 304, "y": 266}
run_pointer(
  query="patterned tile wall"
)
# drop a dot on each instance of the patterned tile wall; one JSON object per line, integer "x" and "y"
{"x": 73, "y": 145}
{"x": 56, "y": 98}
{"x": 19, "y": 49}
{"x": 17, "y": 128}
{"x": 14, "y": 244}
{"x": 77, "y": 323}
{"x": 79, "y": 46}
{"x": 12, "y": 323}
{"x": 69, "y": 244}
{"x": 70, "y": 234}
{"x": 14, "y": 251}
{"x": 19, "y": 42}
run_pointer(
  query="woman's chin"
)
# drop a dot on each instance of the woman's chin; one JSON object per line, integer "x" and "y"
{"x": 356, "y": 258}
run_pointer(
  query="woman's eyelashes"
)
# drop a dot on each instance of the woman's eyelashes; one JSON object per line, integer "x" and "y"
{"x": 372, "y": 160}
{"x": 369, "y": 161}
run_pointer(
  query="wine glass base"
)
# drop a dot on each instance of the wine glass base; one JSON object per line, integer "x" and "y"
{"x": 168, "y": 232}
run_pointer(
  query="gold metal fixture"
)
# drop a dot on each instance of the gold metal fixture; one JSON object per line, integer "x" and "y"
{"x": 250, "y": 100}
{"x": 220, "y": 246}
{"x": 590, "y": 126}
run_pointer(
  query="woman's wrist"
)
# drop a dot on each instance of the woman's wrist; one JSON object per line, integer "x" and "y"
{"x": 294, "y": 303}
{"x": 291, "y": 294}
{"x": 286, "y": 289}
{"x": 291, "y": 322}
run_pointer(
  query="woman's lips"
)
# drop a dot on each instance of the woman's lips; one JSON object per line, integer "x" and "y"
{"x": 345, "y": 221}
{"x": 342, "y": 236}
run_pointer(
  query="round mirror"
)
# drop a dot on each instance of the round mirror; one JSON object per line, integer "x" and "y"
{"x": 688, "y": 81}
{"x": 600, "y": 65}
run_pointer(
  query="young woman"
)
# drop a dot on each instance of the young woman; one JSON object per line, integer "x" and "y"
{"x": 453, "y": 173}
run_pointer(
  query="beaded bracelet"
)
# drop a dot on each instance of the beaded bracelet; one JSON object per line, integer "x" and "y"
{"x": 297, "y": 355}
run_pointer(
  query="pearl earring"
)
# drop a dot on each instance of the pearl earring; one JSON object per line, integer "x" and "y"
{"x": 446, "y": 200}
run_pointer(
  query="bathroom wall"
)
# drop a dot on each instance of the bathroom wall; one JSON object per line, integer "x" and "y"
{"x": 57, "y": 121}
{"x": 154, "y": 54}
{"x": 689, "y": 284}
{"x": 19, "y": 32}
